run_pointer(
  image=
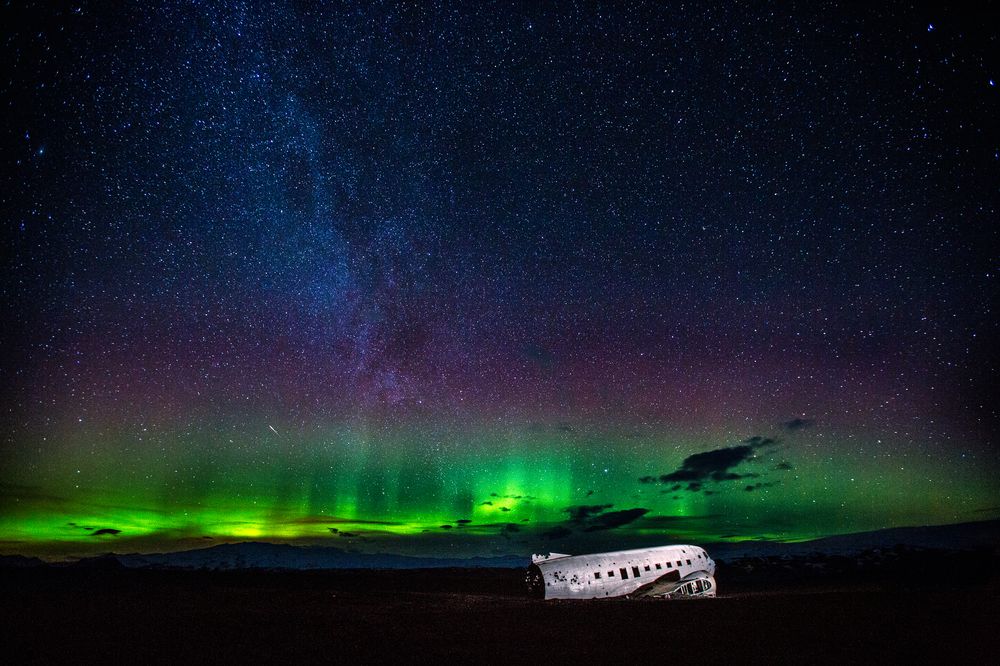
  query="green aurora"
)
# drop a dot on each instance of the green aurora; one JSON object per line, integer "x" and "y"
{"x": 494, "y": 491}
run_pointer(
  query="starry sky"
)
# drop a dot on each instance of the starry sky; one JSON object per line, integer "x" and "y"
{"x": 480, "y": 278}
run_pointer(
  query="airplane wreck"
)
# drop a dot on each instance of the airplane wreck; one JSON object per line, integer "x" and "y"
{"x": 669, "y": 572}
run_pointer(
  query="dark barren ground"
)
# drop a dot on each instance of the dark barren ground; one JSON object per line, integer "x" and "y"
{"x": 767, "y": 612}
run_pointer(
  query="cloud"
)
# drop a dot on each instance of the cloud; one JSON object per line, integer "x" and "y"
{"x": 106, "y": 530}
{"x": 614, "y": 519}
{"x": 487, "y": 503}
{"x": 462, "y": 522}
{"x": 583, "y": 512}
{"x": 596, "y": 517}
{"x": 784, "y": 465}
{"x": 798, "y": 424}
{"x": 715, "y": 465}
{"x": 756, "y": 486}
{"x": 557, "y": 532}
{"x": 757, "y": 441}
{"x": 508, "y": 529}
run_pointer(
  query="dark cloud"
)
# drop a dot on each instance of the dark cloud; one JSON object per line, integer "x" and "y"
{"x": 583, "y": 512}
{"x": 526, "y": 498}
{"x": 596, "y": 517}
{"x": 614, "y": 519}
{"x": 508, "y": 529}
{"x": 106, "y": 530}
{"x": 79, "y": 527}
{"x": 333, "y": 530}
{"x": 756, "y": 486}
{"x": 715, "y": 465}
{"x": 487, "y": 503}
{"x": 462, "y": 521}
{"x": 783, "y": 466}
{"x": 668, "y": 522}
{"x": 798, "y": 424}
{"x": 589, "y": 493}
{"x": 557, "y": 532}
{"x": 505, "y": 509}
{"x": 757, "y": 441}
{"x": 446, "y": 527}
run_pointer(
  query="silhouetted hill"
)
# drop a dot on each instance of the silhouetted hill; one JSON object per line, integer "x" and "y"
{"x": 257, "y": 555}
{"x": 20, "y": 562}
{"x": 982, "y": 535}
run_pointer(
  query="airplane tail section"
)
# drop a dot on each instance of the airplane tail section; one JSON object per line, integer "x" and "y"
{"x": 547, "y": 557}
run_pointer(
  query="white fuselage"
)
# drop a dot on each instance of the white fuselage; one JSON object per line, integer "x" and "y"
{"x": 619, "y": 573}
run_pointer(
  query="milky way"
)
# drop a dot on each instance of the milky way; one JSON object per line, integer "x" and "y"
{"x": 472, "y": 278}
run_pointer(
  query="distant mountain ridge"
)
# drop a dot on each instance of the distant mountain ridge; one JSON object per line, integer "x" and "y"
{"x": 984, "y": 535}
{"x": 262, "y": 555}
{"x": 958, "y": 536}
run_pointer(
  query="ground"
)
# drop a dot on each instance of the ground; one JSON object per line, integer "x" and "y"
{"x": 67, "y": 615}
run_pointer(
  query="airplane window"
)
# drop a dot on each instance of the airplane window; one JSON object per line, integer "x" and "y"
{"x": 689, "y": 562}
{"x": 611, "y": 574}
{"x": 635, "y": 571}
{"x": 623, "y": 573}
{"x": 670, "y": 566}
{"x": 646, "y": 567}
{"x": 678, "y": 562}
{"x": 658, "y": 566}
{"x": 597, "y": 575}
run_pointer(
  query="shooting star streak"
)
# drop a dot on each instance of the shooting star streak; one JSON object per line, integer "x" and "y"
{"x": 273, "y": 430}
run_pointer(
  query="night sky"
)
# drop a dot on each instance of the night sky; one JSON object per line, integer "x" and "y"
{"x": 469, "y": 279}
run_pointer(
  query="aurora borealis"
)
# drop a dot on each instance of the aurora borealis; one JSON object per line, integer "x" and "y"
{"x": 475, "y": 278}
